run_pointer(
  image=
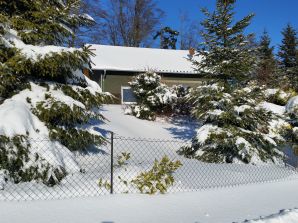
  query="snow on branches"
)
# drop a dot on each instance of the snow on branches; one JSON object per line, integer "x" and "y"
{"x": 235, "y": 129}
{"x": 154, "y": 97}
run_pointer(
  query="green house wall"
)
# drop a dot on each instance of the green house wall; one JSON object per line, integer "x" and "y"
{"x": 114, "y": 80}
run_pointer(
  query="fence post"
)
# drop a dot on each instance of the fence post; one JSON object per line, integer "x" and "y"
{"x": 112, "y": 163}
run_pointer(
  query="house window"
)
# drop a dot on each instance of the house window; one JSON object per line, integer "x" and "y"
{"x": 127, "y": 95}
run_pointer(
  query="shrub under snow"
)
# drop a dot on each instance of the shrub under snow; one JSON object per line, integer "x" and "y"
{"x": 154, "y": 97}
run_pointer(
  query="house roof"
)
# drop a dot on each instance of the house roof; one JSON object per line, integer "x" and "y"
{"x": 119, "y": 58}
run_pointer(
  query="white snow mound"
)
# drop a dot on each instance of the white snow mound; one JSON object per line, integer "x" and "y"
{"x": 292, "y": 104}
{"x": 285, "y": 216}
{"x": 17, "y": 119}
{"x": 276, "y": 109}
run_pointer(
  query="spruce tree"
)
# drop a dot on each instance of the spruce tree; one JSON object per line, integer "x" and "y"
{"x": 266, "y": 62}
{"x": 234, "y": 128}
{"x": 225, "y": 53}
{"x": 288, "y": 56}
{"x": 288, "y": 50}
{"x": 49, "y": 22}
{"x": 27, "y": 27}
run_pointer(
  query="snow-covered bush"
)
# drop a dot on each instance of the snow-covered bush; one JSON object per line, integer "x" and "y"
{"x": 234, "y": 129}
{"x": 20, "y": 164}
{"x": 292, "y": 112}
{"x": 158, "y": 178}
{"x": 155, "y": 98}
{"x": 141, "y": 112}
{"x": 279, "y": 97}
{"x": 151, "y": 92}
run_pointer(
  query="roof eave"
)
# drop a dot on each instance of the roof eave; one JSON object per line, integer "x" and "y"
{"x": 137, "y": 71}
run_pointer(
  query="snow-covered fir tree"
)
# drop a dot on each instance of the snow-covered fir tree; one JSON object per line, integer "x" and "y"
{"x": 43, "y": 92}
{"x": 153, "y": 97}
{"x": 44, "y": 22}
{"x": 234, "y": 128}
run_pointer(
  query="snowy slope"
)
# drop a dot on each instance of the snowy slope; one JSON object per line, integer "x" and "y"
{"x": 126, "y": 125}
{"x": 211, "y": 206}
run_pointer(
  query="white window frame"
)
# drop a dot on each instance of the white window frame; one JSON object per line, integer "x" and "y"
{"x": 126, "y": 103}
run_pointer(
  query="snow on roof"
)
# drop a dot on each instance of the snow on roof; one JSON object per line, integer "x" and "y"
{"x": 119, "y": 58}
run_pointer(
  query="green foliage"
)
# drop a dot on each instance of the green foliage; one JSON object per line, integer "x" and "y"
{"x": 84, "y": 96}
{"x": 143, "y": 112}
{"x": 74, "y": 139}
{"x": 233, "y": 127}
{"x": 58, "y": 113}
{"x": 280, "y": 97}
{"x": 266, "y": 67}
{"x": 153, "y": 97}
{"x": 43, "y": 22}
{"x": 122, "y": 159}
{"x": 288, "y": 49}
{"x": 20, "y": 165}
{"x": 225, "y": 53}
{"x": 16, "y": 69}
{"x": 159, "y": 178}
{"x": 49, "y": 67}
{"x": 104, "y": 183}
{"x": 288, "y": 56}
{"x": 10, "y": 84}
{"x": 62, "y": 120}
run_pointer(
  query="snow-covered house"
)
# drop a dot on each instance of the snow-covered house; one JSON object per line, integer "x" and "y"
{"x": 114, "y": 66}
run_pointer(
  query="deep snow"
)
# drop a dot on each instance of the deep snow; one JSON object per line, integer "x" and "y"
{"x": 211, "y": 206}
{"x": 284, "y": 216}
{"x": 232, "y": 204}
{"x": 130, "y": 126}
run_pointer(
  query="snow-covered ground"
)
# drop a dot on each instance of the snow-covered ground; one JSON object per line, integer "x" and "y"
{"x": 211, "y": 206}
{"x": 192, "y": 176}
{"x": 129, "y": 126}
{"x": 214, "y": 205}
{"x": 284, "y": 216}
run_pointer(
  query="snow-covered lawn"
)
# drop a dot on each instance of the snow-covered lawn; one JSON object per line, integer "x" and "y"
{"x": 211, "y": 206}
{"x": 228, "y": 204}
{"x": 192, "y": 176}
{"x": 130, "y": 126}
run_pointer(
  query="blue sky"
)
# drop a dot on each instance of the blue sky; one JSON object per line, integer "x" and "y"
{"x": 270, "y": 14}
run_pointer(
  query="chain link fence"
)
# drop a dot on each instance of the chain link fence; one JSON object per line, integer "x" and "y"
{"x": 122, "y": 164}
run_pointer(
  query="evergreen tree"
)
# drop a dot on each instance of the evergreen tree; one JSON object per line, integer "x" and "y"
{"x": 225, "y": 53}
{"x": 38, "y": 23}
{"x": 26, "y": 27}
{"x": 266, "y": 62}
{"x": 234, "y": 128}
{"x": 288, "y": 50}
{"x": 168, "y": 38}
{"x": 49, "y": 22}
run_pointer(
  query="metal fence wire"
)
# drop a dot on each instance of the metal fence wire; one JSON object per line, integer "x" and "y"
{"x": 115, "y": 166}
